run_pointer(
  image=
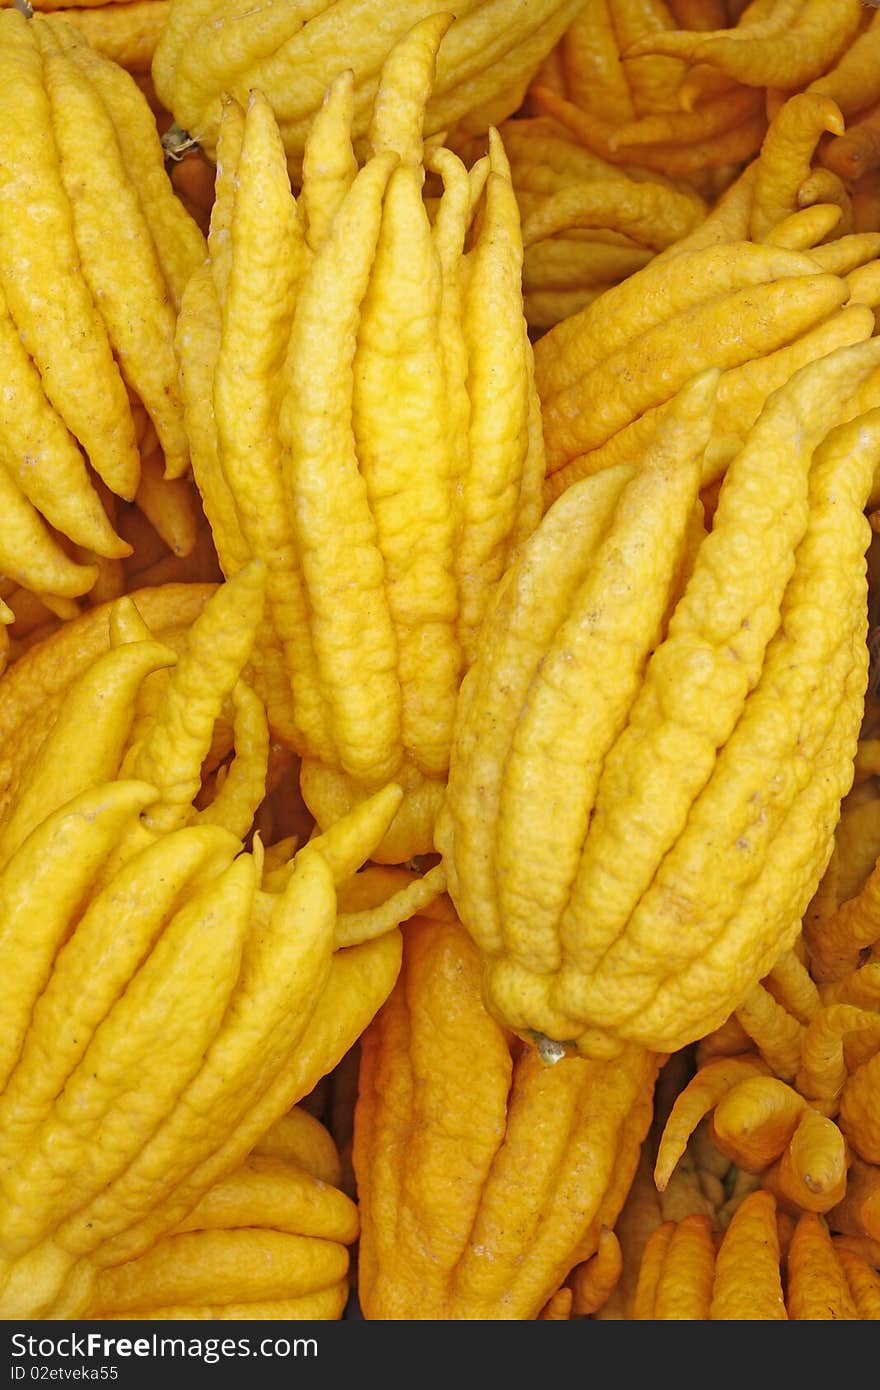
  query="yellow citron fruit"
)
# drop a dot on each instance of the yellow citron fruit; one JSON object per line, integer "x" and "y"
{"x": 292, "y": 51}
{"x": 643, "y": 791}
{"x": 782, "y": 46}
{"x": 35, "y": 685}
{"x": 512, "y": 1165}
{"x": 94, "y": 251}
{"x": 268, "y": 1241}
{"x": 766, "y": 1266}
{"x": 139, "y": 1067}
{"x": 126, "y": 31}
{"x": 586, "y": 224}
{"x": 650, "y": 113}
{"x": 375, "y": 433}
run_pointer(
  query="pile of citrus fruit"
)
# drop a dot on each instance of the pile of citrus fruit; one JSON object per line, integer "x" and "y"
{"x": 439, "y": 718}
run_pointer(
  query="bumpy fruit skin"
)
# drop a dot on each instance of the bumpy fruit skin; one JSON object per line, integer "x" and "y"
{"x": 269, "y": 1241}
{"x": 485, "y": 1174}
{"x": 34, "y": 687}
{"x": 94, "y": 251}
{"x": 633, "y": 841}
{"x": 293, "y": 51}
{"x": 787, "y": 229}
{"x": 777, "y": 46}
{"x": 362, "y": 415}
{"x": 125, "y": 30}
{"x": 139, "y": 1066}
{"x": 763, "y": 1267}
{"x": 569, "y": 201}
{"x": 648, "y": 115}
